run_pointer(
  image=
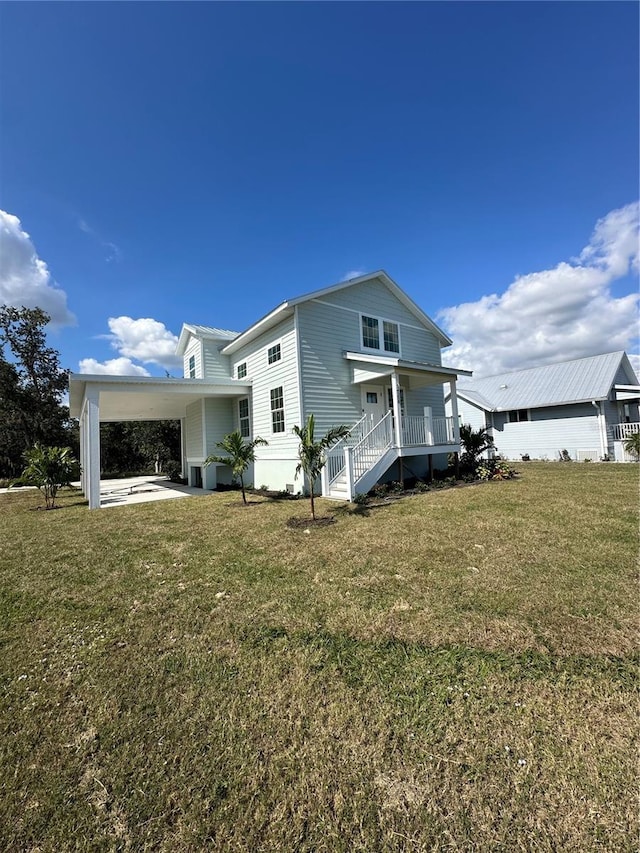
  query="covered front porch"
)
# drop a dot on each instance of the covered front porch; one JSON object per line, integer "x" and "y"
{"x": 400, "y": 418}
{"x": 95, "y": 399}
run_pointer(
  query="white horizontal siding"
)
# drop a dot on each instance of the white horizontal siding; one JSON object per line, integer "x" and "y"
{"x": 216, "y": 365}
{"x": 193, "y": 349}
{"x": 193, "y": 425}
{"x": 327, "y": 330}
{"x": 219, "y": 421}
{"x": 419, "y": 345}
{"x": 266, "y": 376}
{"x": 550, "y": 430}
{"x": 418, "y": 398}
{"x": 327, "y": 378}
{"x": 469, "y": 414}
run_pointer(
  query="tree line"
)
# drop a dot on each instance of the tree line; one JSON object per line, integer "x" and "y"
{"x": 33, "y": 410}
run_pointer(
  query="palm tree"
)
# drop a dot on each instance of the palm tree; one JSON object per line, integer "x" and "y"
{"x": 632, "y": 445}
{"x": 474, "y": 442}
{"x": 241, "y": 454}
{"x": 311, "y": 452}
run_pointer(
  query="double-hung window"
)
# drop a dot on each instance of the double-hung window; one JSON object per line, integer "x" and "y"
{"x": 379, "y": 334}
{"x": 241, "y": 370}
{"x": 192, "y": 367}
{"x": 243, "y": 417}
{"x": 277, "y": 409}
{"x": 274, "y": 353}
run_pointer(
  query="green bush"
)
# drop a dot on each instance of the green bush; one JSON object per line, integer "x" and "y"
{"x": 49, "y": 468}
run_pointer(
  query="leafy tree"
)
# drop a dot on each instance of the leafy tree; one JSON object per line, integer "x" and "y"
{"x": 474, "y": 442}
{"x": 138, "y": 445}
{"x": 311, "y": 453}
{"x": 49, "y": 468}
{"x": 632, "y": 445}
{"x": 241, "y": 454}
{"x": 32, "y": 385}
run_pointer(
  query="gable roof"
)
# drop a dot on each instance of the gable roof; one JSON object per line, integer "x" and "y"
{"x": 206, "y": 332}
{"x": 287, "y": 307}
{"x": 578, "y": 381}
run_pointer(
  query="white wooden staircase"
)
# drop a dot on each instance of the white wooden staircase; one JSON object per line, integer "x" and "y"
{"x": 356, "y": 463}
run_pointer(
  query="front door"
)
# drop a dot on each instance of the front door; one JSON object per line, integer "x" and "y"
{"x": 374, "y": 403}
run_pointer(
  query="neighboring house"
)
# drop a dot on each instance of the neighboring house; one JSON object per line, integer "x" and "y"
{"x": 359, "y": 353}
{"x": 587, "y": 407}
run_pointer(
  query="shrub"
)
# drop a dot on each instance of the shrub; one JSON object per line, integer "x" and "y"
{"x": 632, "y": 445}
{"x": 49, "y": 468}
{"x": 173, "y": 470}
{"x": 495, "y": 469}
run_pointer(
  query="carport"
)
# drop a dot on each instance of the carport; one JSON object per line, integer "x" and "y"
{"x": 94, "y": 399}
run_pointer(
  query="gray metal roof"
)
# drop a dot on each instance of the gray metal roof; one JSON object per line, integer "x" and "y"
{"x": 551, "y": 385}
{"x": 212, "y": 332}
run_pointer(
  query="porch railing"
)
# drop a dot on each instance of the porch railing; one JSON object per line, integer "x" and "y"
{"x": 370, "y": 448}
{"x": 335, "y": 455}
{"x": 620, "y": 432}
{"x": 417, "y": 430}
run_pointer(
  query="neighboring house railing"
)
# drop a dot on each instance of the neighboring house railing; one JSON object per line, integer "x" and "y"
{"x": 620, "y": 432}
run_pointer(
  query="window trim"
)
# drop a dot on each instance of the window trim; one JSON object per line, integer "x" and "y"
{"x": 380, "y": 348}
{"x": 279, "y": 409}
{"x": 518, "y": 419}
{"x": 191, "y": 369}
{"x": 238, "y": 366}
{"x": 246, "y": 417}
{"x": 275, "y": 344}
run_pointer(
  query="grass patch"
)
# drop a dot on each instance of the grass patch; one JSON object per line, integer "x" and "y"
{"x": 454, "y": 671}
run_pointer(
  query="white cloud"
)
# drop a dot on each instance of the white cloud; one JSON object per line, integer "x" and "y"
{"x": 113, "y": 253}
{"x": 25, "y": 279}
{"x": 113, "y": 367}
{"x": 144, "y": 339}
{"x": 352, "y": 274}
{"x": 557, "y": 314}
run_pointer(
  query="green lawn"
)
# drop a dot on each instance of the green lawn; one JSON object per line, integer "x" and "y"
{"x": 450, "y": 671}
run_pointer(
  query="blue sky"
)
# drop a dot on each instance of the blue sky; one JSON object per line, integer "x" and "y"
{"x": 202, "y": 162}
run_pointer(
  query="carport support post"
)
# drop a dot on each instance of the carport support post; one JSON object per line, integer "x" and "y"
{"x": 92, "y": 456}
{"x": 183, "y": 447}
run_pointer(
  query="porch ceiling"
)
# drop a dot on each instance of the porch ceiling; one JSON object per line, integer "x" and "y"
{"x": 368, "y": 368}
{"x": 125, "y": 398}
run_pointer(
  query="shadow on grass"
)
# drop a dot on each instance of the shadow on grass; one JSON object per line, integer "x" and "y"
{"x": 393, "y": 661}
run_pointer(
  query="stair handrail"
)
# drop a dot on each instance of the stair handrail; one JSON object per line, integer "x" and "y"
{"x": 334, "y": 457}
{"x": 373, "y": 448}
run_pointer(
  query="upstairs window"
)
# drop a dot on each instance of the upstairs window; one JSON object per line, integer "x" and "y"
{"x": 391, "y": 336}
{"x": 370, "y": 333}
{"x": 277, "y": 409}
{"x": 243, "y": 417}
{"x": 192, "y": 367}
{"x": 242, "y": 370}
{"x": 274, "y": 353}
{"x": 517, "y": 415}
{"x": 379, "y": 334}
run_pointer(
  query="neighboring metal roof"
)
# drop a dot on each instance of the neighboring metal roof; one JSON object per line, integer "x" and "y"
{"x": 576, "y": 381}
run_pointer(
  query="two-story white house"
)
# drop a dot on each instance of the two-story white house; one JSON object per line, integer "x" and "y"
{"x": 359, "y": 353}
